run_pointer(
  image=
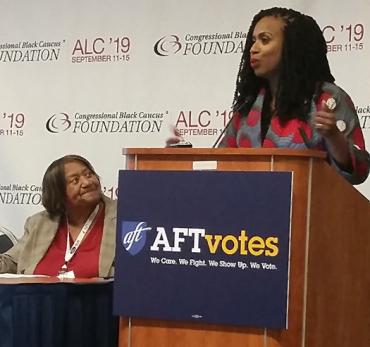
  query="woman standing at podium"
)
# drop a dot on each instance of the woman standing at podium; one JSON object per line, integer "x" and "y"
{"x": 75, "y": 235}
{"x": 286, "y": 97}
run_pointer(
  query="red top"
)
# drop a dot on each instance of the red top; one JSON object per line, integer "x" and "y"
{"x": 84, "y": 263}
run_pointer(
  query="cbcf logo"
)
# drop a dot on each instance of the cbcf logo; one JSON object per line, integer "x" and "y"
{"x": 58, "y": 122}
{"x": 167, "y": 45}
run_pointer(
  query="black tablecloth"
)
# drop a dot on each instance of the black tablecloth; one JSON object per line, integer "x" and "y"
{"x": 57, "y": 315}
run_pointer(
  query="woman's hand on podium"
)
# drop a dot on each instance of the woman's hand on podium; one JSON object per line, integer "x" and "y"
{"x": 177, "y": 140}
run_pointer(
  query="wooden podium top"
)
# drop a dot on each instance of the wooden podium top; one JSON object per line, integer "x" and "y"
{"x": 226, "y": 151}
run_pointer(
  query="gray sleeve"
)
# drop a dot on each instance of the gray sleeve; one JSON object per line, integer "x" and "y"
{"x": 9, "y": 260}
{"x": 346, "y": 114}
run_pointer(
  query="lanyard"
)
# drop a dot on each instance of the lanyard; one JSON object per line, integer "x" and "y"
{"x": 70, "y": 251}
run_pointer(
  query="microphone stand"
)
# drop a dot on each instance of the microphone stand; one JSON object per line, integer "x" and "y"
{"x": 240, "y": 108}
{"x": 223, "y": 131}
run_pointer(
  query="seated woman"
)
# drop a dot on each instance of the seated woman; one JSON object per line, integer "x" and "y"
{"x": 76, "y": 233}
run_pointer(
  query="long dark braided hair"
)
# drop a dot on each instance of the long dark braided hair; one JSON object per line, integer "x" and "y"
{"x": 304, "y": 65}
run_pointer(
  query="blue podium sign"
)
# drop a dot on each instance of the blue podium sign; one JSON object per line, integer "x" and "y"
{"x": 205, "y": 246}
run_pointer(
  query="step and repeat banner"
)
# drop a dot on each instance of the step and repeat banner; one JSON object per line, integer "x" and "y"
{"x": 92, "y": 77}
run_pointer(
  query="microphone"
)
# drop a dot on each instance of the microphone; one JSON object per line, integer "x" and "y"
{"x": 241, "y": 108}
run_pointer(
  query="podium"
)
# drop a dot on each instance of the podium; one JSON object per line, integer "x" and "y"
{"x": 329, "y": 286}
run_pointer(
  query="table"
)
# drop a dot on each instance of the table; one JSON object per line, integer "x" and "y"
{"x": 48, "y": 312}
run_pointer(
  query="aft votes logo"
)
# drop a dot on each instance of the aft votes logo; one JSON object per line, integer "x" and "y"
{"x": 134, "y": 236}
